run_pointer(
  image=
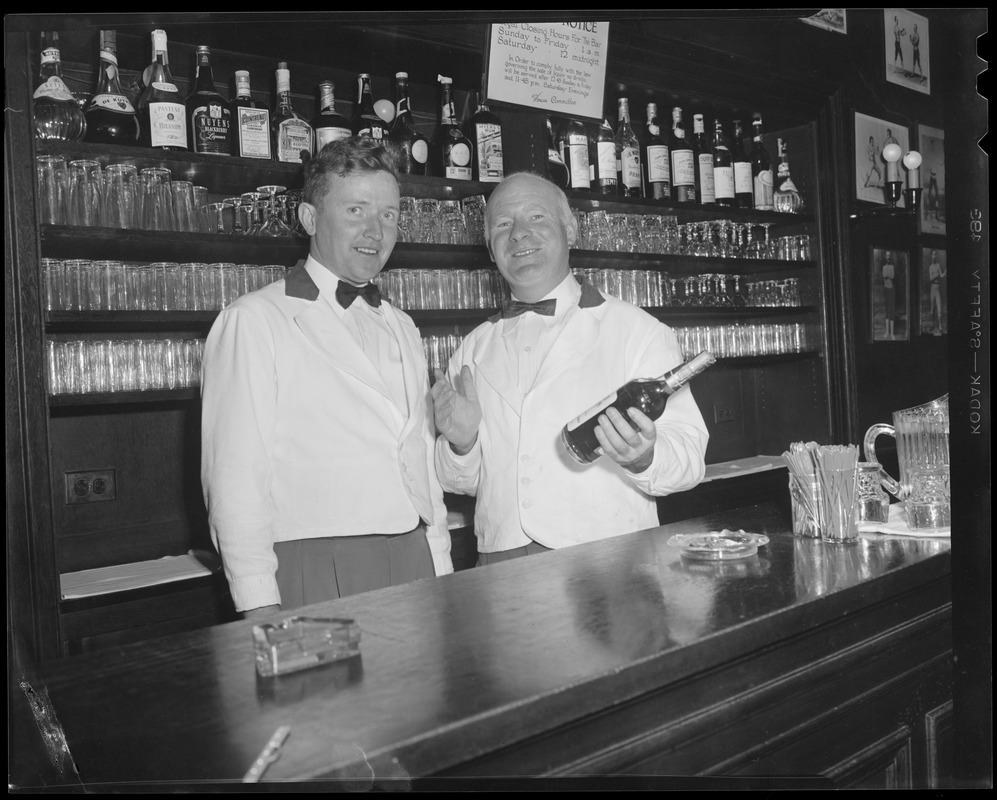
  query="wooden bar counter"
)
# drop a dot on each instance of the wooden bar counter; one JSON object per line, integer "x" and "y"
{"x": 809, "y": 664}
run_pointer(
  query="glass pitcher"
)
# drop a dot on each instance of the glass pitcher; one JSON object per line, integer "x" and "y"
{"x": 922, "y": 435}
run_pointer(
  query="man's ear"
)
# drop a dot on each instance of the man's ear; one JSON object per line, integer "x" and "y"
{"x": 307, "y": 214}
{"x": 571, "y": 229}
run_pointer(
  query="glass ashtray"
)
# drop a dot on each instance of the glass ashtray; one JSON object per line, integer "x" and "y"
{"x": 722, "y": 545}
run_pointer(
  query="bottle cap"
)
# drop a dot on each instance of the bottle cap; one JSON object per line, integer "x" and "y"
{"x": 401, "y": 74}
{"x": 444, "y": 80}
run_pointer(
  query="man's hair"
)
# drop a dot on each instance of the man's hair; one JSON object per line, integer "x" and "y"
{"x": 357, "y": 154}
{"x": 563, "y": 206}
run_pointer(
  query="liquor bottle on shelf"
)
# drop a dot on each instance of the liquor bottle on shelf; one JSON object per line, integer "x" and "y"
{"x": 743, "y": 180}
{"x": 162, "y": 117}
{"x": 683, "y": 161}
{"x": 573, "y": 145}
{"x": 209, "y": 117}
{"x": 705, "y": 187}
{"x": 250, "y": 122}
{"x": 403, "y": 132}
{"x": 629, "y": 173}
{"x": 450, "y": 149}
{"x": 657, "y": 166}
{"x": 110, "y": 115}
{"x": 761, "y": 168}
{"x": 602, "y": 159}
{"x": 366, "y": 121}
{"x": 648, "y": 395}
{"x": 723, "y": 168}
{"x": 57, "y": 115}
{"x": 484, "y": 129}
{"x": 291, "y": 135}
{"x": 557, "y": 172}
{"x": 786, "y": 198}
{"x": 329, "y": 125}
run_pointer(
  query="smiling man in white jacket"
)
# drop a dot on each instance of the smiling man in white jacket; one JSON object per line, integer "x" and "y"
{"x": 557, "y": 349}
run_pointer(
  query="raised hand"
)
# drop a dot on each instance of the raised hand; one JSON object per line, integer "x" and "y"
{"x": 457, "y": 410}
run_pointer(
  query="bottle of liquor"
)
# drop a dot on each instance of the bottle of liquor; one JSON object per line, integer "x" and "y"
{"x": 573, "y": 145}
{"x": 329, "y": 125}
{"x": 629, "y": 173}
{"x": 557, "y": 172}
{"x": 657, "y": 165}
{"x": 290, "y": 133}
{"x": 250, "y": 121}
{"x": 761, "y": 168}
{"x": 723, "y": 168}
{"x": 602, "y": 159}
{"x": 649, "y": 396}
{"x": 786, "y": 197}
{"x": 403, "y": 132}
{"x": 683, "y": 161}
{"x": 208, "y": 114}
{"x": 484, "y": 129}
{"x": 57, "y": 115}
{"x": 366, "y": 121}
{"x": 743, "y": 179}
{"x": 450, "y": 149}
{"x": 110, "y": 116}
{"x": 705, "y": 187}
{"x": 162, "y": 117}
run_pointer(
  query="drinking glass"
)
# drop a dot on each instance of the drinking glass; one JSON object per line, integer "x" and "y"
{"x": 184, "y": 211}
{"x": 157, "y": 199}
{"x": 200, "y": 202}
{"x": 272, "y": 225}
{"x": 220, "y": 217}
{"x": 52, "y": 176}
{"x": 122, "y": 196}
{"x": 85, "y": 190}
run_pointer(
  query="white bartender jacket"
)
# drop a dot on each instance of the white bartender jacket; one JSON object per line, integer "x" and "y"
{"x": 527, "y": 487}
{"x": 300, "y": 438}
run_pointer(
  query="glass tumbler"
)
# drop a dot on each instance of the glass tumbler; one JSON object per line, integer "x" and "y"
{"x": 85, "y": 192}
{"x": 157, "y": 199}
{"x": 52, "y": 176}
{"x": 122, "y": 196}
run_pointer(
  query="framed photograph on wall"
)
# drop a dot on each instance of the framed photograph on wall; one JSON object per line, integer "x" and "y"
{"x": 871, "y": 136}
{"x": 905, "y": 49}
{"x": 931, "y": 146}
{"x": 933, "y": 292}
{"x": 830, "y": 19}
{"x": 889, "y": 292}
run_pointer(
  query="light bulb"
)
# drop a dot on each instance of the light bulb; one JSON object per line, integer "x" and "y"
{"x": 913, "y": 161}
{"x": 891, "y": 154}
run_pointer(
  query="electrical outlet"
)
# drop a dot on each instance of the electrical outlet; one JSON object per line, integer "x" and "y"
{"x": 723, "y": 412}
{"x": 92, "y": 486}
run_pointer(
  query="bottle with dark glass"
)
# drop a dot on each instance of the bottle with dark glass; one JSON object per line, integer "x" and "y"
{"x": 161, "y": 114}
{"x": 291, "y": 134}
{"x": 573, "y": 145}
{"x": 250, "y": 122}
{"x": 413, "y": 145}
{"x": 328, "y": 124}
{"x": 110, "y": 115}
{"x": 743, "y": 187}
{"x": 450, "y": 149}
{"x": 629, "y": 173}
{"x": 602, "y": 159}
{"x": 57, "y": 115}
{"x": 761, "y": 168}
{"x": 786, "y": 197}
{"x": 366, "y": 121}
{"x": 657, "y": 165}
{"x": 647, "y": 395}
{"x": 683, "y": 161}
{"x": 556, "y": 170}
{"x": 723, "y": 167}
{"x": 484, "y": 129}
{"x": 209, "y": 117}
{"x": 705, "y": 188}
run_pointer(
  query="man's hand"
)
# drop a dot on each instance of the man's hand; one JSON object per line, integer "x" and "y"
{"x": 629, "y": 445}
{"x": 457, "y": 410}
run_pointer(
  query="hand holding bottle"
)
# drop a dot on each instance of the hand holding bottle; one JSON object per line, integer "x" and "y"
{"x": 457, "y": 410}
{"x": 629, "y": 446}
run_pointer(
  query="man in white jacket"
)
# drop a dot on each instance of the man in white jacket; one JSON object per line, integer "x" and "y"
{"x": 317, "y": 434}
{"x": 558, "y": 348}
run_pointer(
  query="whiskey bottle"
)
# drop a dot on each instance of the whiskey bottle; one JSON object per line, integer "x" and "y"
{"x": 657, "y": 167}
{"x": 110, "y": 115}
{"x": 761, "y": 168}
{"x": 329, "y": 125}
{"x": 605, "y": 178}
{"x": 484, "y": 129}
{"x": 250, "y": 122}
{"x": 412, "y": 144}
{"x": 57, "y": 115}
{"x": 291, "y": 135}
{"x": 647, "y": 395}
{"x": 705, "y": 187}
{"x": 366, "y": 121}
{"x": 162, "y": 117}
{"x": 573, "y": 145}
{"x": 629, "y": 173}
{"x": 723, "y": 168}
{"x": 557, "y": 172}
{"x": 450, "y": 149}
{"x": 683, "y": 161}
{"x": 743, "y": 180}
{"x": 786, "y": 198}
{"x": 208, "y": 114}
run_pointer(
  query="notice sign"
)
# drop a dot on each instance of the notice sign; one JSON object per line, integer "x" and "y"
{"x": 559, "y": 67}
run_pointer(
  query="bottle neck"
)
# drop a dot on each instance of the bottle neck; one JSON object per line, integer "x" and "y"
{"x": 402, "y": 111}
{"x": 205, "y": 80}
{"x": 366, "y": 98}
{"x": 328, "y": 101}
{"x": 107, "y": 79}
{"x": 51, "y": 63}
{"x": 242, "y": 90}
{"x": 448, "y": 115}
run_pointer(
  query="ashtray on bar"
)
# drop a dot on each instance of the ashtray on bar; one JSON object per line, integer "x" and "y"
{"x": 298, "y": 643}
{"x": 718, "y": 545}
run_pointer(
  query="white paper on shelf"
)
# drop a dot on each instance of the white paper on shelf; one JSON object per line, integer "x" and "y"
{"x": 896, "y": 525}
{"x": 122, "y": 577}
{"x": 742, "y": 466}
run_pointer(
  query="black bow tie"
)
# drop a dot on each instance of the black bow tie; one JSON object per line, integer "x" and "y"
{"x": 346, "y": 293}
{"x": 514, "y": 308}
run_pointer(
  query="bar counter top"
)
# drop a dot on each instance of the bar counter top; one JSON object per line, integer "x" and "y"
{"x": 612, "y": 657}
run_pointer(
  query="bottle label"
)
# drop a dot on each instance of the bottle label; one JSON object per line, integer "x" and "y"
{"x": 167, "y": 125}
{"x": 325, "y": 135}
{"x": 723, "y": 182}
{"x": 630, "y": 167}
{"x": 293, "y": 136}
{"x": 253, "y": 130}
{"x": 763, "y": 190}
{"x": 658, "y": 169}
{"x": 607, "y": 163}
{"x": 595, "y": 410}
{"x": 743, "y": 182}
{"x": 116, "y": 103}
{"x": 212, "y": 127}
{"x": 163, "y": 86}
{"x": 578, "y": 159}
{"x": 420, "y": 151}
{"x": 683, "y": 168}
{"x": 707, "y": 187}
{"x": 489, "y": 152}
{"x": 55, "y": 89}
{"x": 458, "y": 162}
{"x": 50, "y": 55}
